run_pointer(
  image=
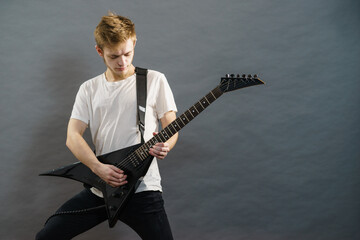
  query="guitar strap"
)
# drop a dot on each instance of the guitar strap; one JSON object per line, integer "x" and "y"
{"x": 141, "y": 94}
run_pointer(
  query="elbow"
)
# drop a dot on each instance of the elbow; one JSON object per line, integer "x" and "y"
{"x": 68, "y": 142}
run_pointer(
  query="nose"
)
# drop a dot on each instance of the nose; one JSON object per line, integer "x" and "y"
{"x": 121, "y": 61}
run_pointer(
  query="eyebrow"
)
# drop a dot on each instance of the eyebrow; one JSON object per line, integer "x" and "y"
{"x": 116, "y": 55}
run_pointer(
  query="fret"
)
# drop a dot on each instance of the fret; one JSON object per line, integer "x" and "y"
{"x": 180, "y": 122}
{"x": 201, "y": 104}
{"x": 213, "y": 96}
{"x": 164, "y": 135}
{"x": 210, "y": 97}
{"x": 217, "y": 92}
{"x": 188, "y": 115}
{"x": 158, "y": 138}
{"x": 194, "y": 111}
{"x": 145, "y": 148}
{"x": 176, "y": 125}
{"x": 205, "y": 98}
{"x": 191, "y": 114}
{"x": 167, "y": 128}
{"x": 184, "y": 119}
{"x": 199, "y": 108}
{"x": 168, "y": 132}
{"x": 162, "y": 139}
{"x": 148, "y": 145}
{"x": 174, "y": 129}
{"x": 153, "y": 141}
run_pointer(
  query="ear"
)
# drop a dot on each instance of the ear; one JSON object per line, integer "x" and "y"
{"x": 99, "y": 51}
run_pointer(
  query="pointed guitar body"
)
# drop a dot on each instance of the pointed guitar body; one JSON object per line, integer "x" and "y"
{"x": 136, "y": 160}
{"x": 115, "y": 198}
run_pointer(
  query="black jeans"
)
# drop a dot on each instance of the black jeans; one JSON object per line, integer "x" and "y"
{"x": 144, "y": 213}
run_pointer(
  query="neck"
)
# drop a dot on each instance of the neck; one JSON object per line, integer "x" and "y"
{"x": 114, "y": 77}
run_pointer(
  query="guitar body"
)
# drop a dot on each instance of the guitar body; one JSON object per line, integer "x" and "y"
{"x": 115, "y": 197}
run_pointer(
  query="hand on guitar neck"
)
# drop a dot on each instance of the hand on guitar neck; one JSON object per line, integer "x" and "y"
{"x": 159, "y": 150}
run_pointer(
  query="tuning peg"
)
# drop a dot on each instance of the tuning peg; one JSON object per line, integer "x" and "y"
{"x": 249, "y": 76}
{"x": 243, "y": 76}
{"x": 227, "y": 75}
{"x": 232, "y": 75}
{"x": 238, "y": 75}
{"x": 255, "y": 76}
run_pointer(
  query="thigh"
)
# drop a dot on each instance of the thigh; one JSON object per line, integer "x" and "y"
{"x": 145, "y": 214}
{"x": 67, "y": 226}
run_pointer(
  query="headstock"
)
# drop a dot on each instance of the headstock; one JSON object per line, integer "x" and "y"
{"x": 233, "y": 82}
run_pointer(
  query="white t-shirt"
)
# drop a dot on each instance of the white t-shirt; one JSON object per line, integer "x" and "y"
{"x": 109, "y": 109}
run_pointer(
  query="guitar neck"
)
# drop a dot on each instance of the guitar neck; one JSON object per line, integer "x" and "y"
{"x": 180, "y": 122}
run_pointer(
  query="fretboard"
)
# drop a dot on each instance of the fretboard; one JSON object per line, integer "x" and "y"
{"x": 180, "y": 122}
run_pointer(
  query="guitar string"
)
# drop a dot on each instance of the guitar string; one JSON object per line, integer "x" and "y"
{"x": 133, "y": 157}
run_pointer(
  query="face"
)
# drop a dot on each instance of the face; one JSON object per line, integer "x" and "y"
{"x": 118, "y": 60}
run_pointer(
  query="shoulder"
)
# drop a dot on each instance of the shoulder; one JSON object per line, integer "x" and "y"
{"x": 155, "y": 75}
{"x": 156, "y": 78}
{"x": 92, "y": 84}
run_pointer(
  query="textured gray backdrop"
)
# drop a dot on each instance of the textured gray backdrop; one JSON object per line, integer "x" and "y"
{"x": 279, "y": 161}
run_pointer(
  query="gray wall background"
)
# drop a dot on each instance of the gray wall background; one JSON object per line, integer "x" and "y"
{"x": 279, "y": 161}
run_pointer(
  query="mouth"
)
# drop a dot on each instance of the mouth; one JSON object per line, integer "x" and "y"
{"x": 120, "y": 69}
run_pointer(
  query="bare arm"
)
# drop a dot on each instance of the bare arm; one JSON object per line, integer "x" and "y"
{"x": 81, "y": 150}
{"x": 160, "y": 150}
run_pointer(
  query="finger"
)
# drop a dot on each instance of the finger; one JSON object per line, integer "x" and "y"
{"x": 157, "y": 154}
{"x": 151, "y": 152}
{"x": 162, "y": 150}
{"x": 164, "y": 145}
{"x": 161, "y": 147}
{"x": 117, "y": 182}
{"x": 117, "y": 178}
{"x": 116, "y": 169}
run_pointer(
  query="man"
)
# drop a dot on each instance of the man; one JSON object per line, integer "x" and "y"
{"x": 107, "y": 105}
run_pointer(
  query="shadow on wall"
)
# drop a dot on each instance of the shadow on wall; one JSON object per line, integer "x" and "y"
{"x": 47, "y": 150}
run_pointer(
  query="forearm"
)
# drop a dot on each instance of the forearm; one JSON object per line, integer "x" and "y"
{"x": 81, "y": 150}
{"x": 165, "y": 121}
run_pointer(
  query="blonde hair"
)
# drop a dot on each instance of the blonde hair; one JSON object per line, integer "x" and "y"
{"x": 113, "y": 29}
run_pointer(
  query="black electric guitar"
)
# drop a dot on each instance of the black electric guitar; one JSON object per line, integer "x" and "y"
{"x": 135, "y": 160}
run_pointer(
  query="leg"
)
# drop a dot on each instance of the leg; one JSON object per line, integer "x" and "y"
{"x": 68, "y": 226}
{"x": 146, "y": 215}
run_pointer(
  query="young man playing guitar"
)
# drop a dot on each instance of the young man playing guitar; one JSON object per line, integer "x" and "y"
{"x": 107, "y": 105}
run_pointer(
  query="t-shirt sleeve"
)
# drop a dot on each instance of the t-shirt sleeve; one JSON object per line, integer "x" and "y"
{"x": 165, "y": 100}
{"x": 80, "y": 109}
